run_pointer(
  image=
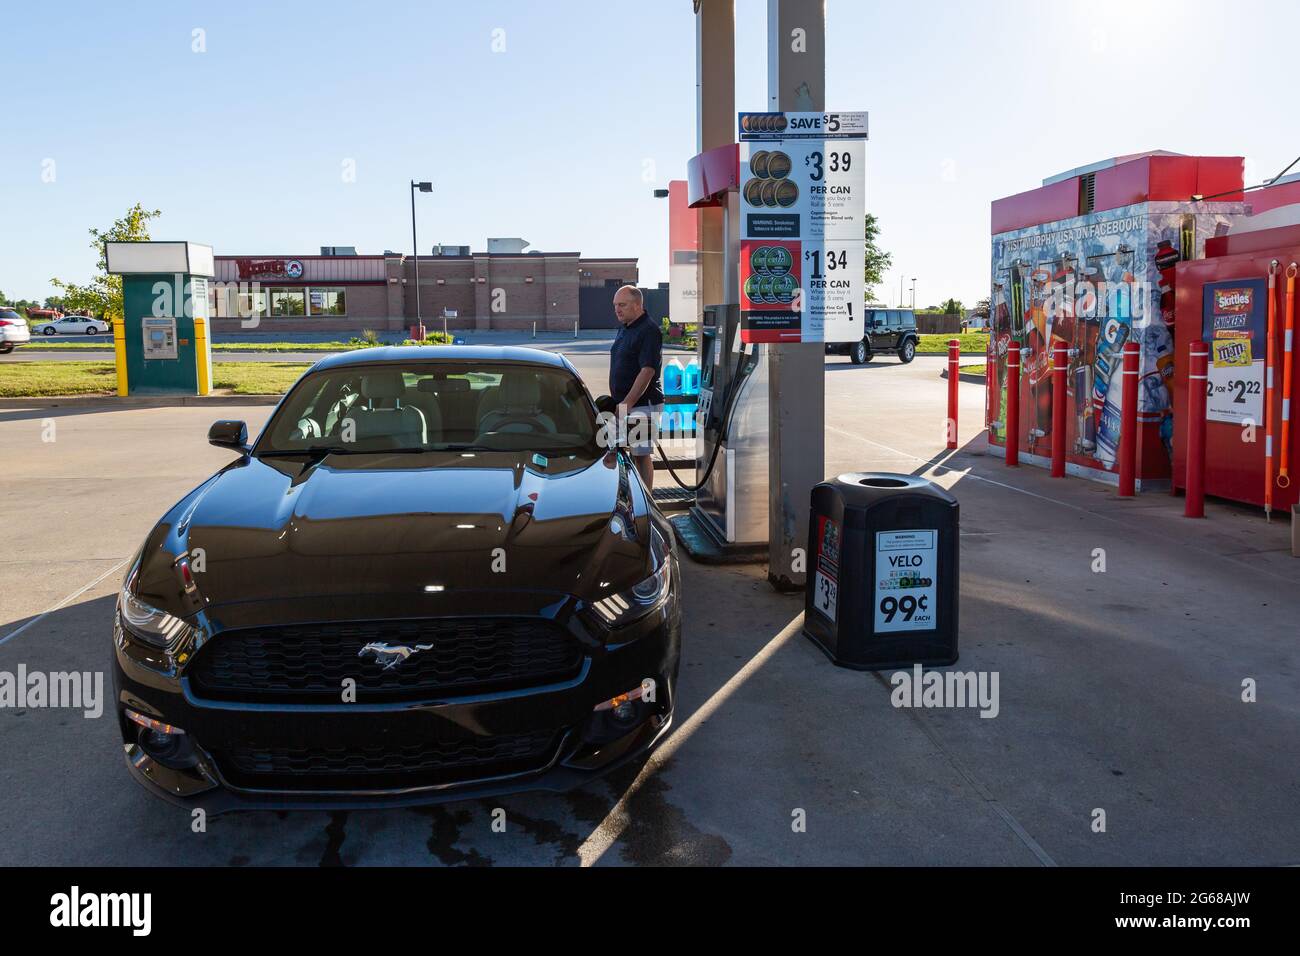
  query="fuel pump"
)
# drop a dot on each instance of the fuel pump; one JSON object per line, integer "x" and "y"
{"x": 731, "y": 435}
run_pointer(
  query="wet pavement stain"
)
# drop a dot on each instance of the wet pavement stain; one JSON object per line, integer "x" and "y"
{"x": 658, "y": 833}
{"x": 544, "y": 833}
{"x": 587, "y": 805}
{"x": 335, "y": 833}
{"x": 446, "y": 833}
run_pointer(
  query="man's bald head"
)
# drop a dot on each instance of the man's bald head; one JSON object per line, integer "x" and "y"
{"x": 629, "y": 303}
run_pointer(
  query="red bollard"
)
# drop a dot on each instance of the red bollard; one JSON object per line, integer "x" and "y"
{"x": 1013, "y": 404}
{"x": 1129, "y": 421}
{"x": 1197, "y": 382}
{"x": 954, "y": 355}
{"x": 1059, "y": 356}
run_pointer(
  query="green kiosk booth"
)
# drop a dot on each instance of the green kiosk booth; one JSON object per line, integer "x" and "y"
{"x": 162, "y": 343}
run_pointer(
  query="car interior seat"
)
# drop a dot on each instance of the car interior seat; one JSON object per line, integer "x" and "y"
{"x": 453, "y": 402}
{"x": 382, "y": 413}
{"x": 520, "y": 409}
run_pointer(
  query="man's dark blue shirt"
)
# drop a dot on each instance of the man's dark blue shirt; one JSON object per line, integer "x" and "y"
{"x": 638, "y": 345}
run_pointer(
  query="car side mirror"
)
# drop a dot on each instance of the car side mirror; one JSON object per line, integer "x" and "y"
{"x": 606, "y": 404}
{"x": 229, "y": 434}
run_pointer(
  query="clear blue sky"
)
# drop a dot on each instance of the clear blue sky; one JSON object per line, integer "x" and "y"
{"x": 553, "y": 139}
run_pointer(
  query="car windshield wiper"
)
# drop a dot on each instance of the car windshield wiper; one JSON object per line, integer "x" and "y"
{"x": 321, "y": 450}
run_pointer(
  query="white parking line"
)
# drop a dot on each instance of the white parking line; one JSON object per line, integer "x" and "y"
{"x": 616, "y": 821}
{"x": 44, "y": 614}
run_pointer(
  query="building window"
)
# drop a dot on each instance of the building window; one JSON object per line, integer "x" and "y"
{"x": 288, "y": 302}
{"x": 227, "y": 302}
{"x": 252, "y": 303}
{"x": 328, "y": 301}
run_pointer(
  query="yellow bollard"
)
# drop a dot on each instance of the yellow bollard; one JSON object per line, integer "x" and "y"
{"x": 119, "y": 354}
{"x": 202, "y": 356}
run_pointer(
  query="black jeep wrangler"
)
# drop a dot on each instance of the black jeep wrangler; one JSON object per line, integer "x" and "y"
{"x": 889, "y": 332}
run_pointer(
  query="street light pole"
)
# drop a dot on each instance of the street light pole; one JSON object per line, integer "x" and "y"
{"x": 913, "y": 293}
{"x": 415, "y": 246}
{"x": 901, "y": 280}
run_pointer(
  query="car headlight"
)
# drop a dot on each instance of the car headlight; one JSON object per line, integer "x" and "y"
{"x": 638, "y": 601}
{"x": 149, "y": 623}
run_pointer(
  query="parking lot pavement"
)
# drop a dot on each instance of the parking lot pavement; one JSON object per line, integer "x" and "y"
{"x": 1120, "y": 691}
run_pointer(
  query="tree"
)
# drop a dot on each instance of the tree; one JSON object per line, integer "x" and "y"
{"x": 877, "y": 260}
{"x": 103, "y": 295}
{"x": 952, "y": 307}
{"x": 981, "y": 310}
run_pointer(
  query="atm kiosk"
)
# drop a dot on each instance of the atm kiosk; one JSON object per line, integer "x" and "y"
{"x": 162, "y": 343}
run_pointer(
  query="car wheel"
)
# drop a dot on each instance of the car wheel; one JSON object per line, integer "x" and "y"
{"x": 908, "y": 352}
{"x": 6, "y": 348}
{"x": 92, "y": 331}
{"x": 860, "y": 355}
{"x": 48, "y": 330}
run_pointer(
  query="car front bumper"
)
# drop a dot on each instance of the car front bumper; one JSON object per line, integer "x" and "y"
{"x": 552, "y": 736}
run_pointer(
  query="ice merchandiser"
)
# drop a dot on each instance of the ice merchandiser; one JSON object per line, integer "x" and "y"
{"x": 1087, "y": 262}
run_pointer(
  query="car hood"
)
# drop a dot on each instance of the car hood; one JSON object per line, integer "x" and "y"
{"x": 428, "y": 529}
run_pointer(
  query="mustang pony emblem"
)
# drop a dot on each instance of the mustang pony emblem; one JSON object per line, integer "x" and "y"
{"x": 390, "y": 655}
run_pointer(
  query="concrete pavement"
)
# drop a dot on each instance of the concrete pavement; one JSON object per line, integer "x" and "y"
{"x": 1120, "y": 690}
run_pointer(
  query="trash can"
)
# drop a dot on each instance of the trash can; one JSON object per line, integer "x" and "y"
{"x": 882, "y": 572}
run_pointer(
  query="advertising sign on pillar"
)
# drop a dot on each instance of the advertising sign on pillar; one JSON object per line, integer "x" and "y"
{"x": 802, "y": 212}
{"x": 1233, "y": 327}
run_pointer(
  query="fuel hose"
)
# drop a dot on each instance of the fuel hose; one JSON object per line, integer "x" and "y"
{"x": 728, "y": 413}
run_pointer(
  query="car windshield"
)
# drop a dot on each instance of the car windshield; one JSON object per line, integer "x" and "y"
{"x": 432, "y": 406}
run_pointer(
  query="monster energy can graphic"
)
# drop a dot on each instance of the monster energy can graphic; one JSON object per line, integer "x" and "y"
{"x": 1187, "y": 237}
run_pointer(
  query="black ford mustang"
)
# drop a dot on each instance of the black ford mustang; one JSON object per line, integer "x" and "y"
{"x": 430, "y": 578}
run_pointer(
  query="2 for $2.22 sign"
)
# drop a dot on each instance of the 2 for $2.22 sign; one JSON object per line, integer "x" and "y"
{"x": 906, "y": 581}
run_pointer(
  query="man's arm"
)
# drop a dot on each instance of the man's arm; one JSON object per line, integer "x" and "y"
{"x": 639, "y": 385}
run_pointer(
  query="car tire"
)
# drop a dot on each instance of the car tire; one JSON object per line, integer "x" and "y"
{"x": 48, "y": 330}
{"x": 908, "y": 351}
{"x": 6, "y": 348}
{"x": 92, "y": 331}
{"x": 859, "y": 354}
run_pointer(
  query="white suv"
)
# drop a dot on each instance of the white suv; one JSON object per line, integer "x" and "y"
{"x": 13, "y": 330}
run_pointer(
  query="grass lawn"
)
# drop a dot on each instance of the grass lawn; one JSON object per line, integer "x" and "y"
{"x": 980, "y": 370}
{"x": 972, "y": 343}
{"x": 30, "y": 379}
{"x": 40, "y": 379}
{"x": 256, "y": 378}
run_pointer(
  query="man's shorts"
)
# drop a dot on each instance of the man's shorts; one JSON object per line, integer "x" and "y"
{"x": 643, "y": 428}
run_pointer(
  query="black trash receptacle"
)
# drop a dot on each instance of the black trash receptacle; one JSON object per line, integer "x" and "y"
{"x": 882, "y": 571}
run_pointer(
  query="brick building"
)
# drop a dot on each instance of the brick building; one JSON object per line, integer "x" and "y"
{"x": 347, "y": 293}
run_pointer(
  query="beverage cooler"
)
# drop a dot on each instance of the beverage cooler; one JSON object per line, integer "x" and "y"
{"x": 1223, "y": 300}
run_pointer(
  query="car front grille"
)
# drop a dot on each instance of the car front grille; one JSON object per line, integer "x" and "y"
{"x": 309, "y": 663}
{"x": 380, "y": 765}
